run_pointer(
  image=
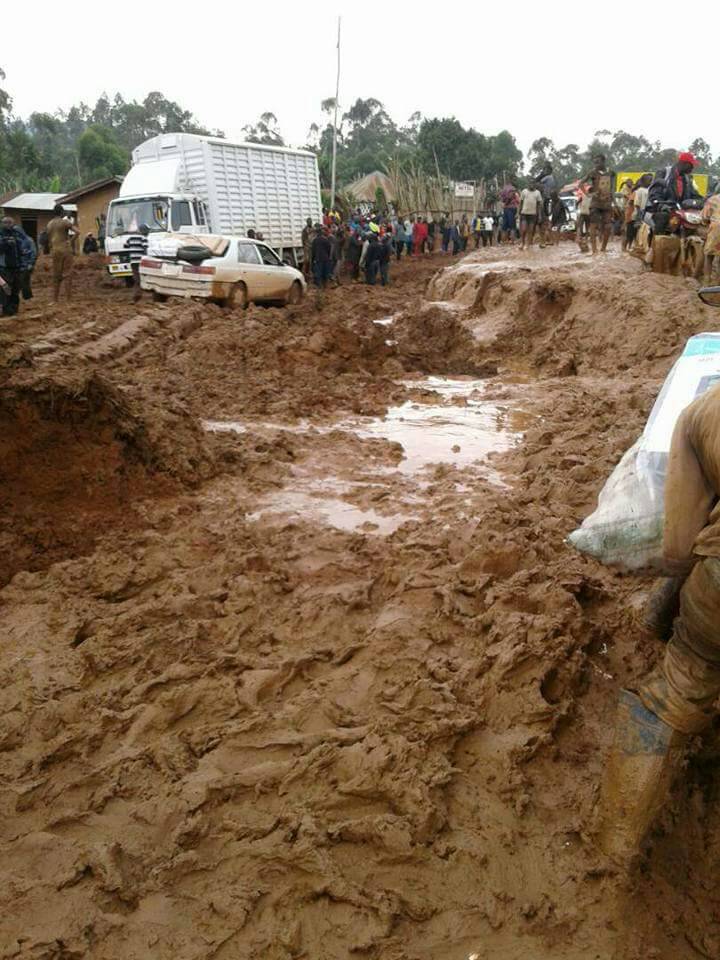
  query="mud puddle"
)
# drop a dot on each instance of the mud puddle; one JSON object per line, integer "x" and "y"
{"x": 322, "y": 501}
{"x": 462, "y": 429}
{"x": 453, "y": 425}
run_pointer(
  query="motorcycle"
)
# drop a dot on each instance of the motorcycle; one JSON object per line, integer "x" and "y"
{"x": 686, "y": 218}
{"x": 682, "y": 219}
{"x": 710, "y": 296}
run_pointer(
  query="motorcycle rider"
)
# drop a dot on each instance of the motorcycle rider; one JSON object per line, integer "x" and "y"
{"x": 671, "y": 188}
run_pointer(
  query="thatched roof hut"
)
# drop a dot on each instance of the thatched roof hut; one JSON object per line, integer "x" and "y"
{"x": 365, "y": 189}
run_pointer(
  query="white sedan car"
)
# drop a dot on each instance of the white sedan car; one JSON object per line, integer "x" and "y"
{"x": 227, "y": 270}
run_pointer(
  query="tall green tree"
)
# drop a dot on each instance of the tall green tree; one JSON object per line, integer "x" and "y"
{"x": 100, "y": 155}
{"x": 265, "y": 130}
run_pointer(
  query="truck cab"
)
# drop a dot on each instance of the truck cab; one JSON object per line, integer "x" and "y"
{"x": 179, "y": 213}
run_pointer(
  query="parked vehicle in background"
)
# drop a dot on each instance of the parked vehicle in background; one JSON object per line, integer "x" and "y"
{"x": 185, "y": 183}
{"x": 571, "y": 204}
{"x": 227, "y": 270}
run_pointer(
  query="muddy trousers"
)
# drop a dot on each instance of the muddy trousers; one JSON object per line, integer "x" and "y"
{"x": 10, "y": 293}
{"x": 62, "y": 268}
{"x": 682, "y": 690}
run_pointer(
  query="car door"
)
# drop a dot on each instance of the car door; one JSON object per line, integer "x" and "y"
{"x": 249, "y": 268}
{"x": 275, "y": 280}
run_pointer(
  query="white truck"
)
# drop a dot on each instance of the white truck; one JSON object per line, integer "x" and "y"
{"x": 185, "y": 183}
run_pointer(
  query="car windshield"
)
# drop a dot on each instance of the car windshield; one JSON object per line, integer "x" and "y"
{"x": 129, "y": 216}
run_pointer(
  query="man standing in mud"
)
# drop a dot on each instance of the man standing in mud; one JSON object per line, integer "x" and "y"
{"x": 530, "y": 211}
{"x": 676, "y": 700}
{"x": 9, "y": 272}
{"x": 60, "y": 232}
{"x": 321, "y": 257}
{"x": 545, "y": 183}
{"x": 600, "y": 181}
{"x": 307, "y": 239}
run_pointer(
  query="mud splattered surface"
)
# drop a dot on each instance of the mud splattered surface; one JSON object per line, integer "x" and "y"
{"x": 295, "y": 660}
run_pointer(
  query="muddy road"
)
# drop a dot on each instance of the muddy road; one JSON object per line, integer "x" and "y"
{"x": 295, "y": 660}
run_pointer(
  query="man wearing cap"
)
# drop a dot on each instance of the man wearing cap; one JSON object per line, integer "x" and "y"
{"x": 672, "y": 186}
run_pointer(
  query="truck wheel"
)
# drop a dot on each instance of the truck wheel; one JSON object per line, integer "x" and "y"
{"x": 159, "y": 297}
{"x": 295, "y": 295}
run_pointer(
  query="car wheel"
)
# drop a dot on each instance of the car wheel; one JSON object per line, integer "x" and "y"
{"x": 159, "y": 297}
{"x": 129, "y": 281}
{"x": 295, "y": 294}
{"x": 240, "y": 298}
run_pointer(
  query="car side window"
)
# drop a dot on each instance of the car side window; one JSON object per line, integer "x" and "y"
{"x": 247, "y": 253}
{"x": 269, "y": 258}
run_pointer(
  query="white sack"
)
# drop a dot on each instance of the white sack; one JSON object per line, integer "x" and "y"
{"x": 626, "y": 529}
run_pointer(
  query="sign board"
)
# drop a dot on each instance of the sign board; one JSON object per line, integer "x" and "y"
{"x": 701, "y": 180}
{"x": 465, "y": 190}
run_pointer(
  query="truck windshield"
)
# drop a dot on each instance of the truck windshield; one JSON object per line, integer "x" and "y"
{"x": 127, "y": 216}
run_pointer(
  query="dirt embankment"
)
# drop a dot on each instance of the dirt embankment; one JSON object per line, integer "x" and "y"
{"x": 228, "y": 732}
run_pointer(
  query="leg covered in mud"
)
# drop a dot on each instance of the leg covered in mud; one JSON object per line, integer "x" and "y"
{"x": 682, "y": 690}
{"x": 653, "y": 727}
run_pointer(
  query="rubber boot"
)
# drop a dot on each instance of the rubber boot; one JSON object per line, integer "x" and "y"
{"x": 639, "y": 773}
{"x": 662, "y": 607}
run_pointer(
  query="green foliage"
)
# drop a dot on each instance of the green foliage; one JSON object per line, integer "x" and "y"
{"x": 100, "y": 154}
{"x": 92, "y": 142}
{"x": 462, "y": 154}
{"x": 83, "y": 144}
{"x": 264, "y": 131}
{"x": 5, "y": 102}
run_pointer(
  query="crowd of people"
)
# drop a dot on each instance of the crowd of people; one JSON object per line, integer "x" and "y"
{"x": 363, "y": 246}
{"x": 18, "y": 256}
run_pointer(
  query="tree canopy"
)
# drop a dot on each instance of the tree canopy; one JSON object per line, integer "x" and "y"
{"x": 62, "y": 150}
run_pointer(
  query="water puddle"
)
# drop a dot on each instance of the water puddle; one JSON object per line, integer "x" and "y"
{"x": 462, "y": 429}
{"x": 456, "y": 426}
{"x": 330, "y": 510}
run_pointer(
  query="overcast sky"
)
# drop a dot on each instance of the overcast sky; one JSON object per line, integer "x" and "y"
{"x": 567, "y": 71}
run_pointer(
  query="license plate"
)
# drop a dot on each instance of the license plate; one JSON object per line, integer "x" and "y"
{"x": 120, "y": 268}
{"x": 171, "y": 270}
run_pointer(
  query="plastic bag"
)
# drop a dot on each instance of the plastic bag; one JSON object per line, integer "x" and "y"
{"x": 626, "y": 529}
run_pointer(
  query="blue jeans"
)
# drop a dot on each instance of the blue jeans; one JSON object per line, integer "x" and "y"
{"x": 322, "y": 271}
{"x": 508, "y": 220}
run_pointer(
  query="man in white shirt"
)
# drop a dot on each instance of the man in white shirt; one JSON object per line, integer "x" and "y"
{"x": 530, "y": 206}
{"x": 487, "y": 230}
{"x": 637, "y": 201}
{"x": 582, "y": 223}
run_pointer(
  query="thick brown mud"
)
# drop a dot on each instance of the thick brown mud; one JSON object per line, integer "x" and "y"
{"x": 296, "y": 661}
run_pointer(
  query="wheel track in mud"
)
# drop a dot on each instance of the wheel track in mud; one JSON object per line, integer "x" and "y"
{"x": 267, "y": 741}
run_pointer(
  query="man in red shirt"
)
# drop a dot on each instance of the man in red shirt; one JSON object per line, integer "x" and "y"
{"x": 420, "y": 235}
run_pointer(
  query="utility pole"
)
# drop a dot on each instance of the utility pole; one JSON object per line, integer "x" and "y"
{"x": 337, "y": 96}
